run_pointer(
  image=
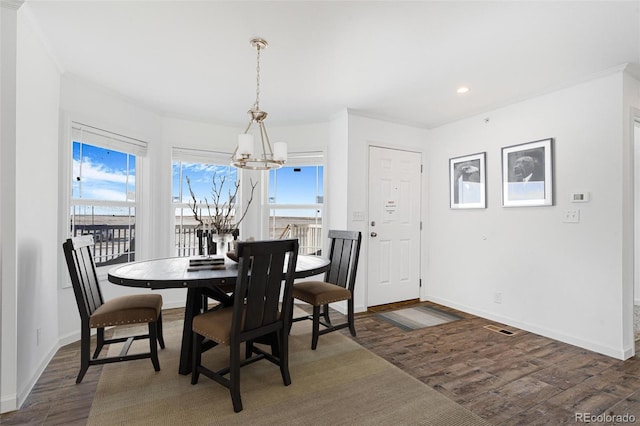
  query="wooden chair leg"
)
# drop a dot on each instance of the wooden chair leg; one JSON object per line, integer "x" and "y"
{"x": 99, "y": 342}
{"x": 316, "y": 327}
{"x": 196, "y": 357}
{"x": 275, "y": 344}
{"x": 350, "y": 317}
{"x": 159, "y": 329}
{"x": 283, "y": 341}
{"x": 325, "y": 313}
{"x": 85, "y": 352}
{"x": 234, "y": 378}
{"x": 153, "y": 345}
{"x": 293, "y": 306}
{"x": 248, "y": 349}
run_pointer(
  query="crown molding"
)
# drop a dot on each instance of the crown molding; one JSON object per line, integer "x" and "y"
{"x": 11, "y": 4}
{"x": 633, "y": 70}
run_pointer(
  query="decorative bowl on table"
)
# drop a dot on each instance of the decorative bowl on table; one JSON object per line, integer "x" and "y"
{"x": 232, "y": 255}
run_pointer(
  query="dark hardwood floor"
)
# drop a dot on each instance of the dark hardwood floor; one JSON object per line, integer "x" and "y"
{"x": 507, "y": 380}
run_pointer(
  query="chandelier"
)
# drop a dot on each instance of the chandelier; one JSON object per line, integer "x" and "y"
{"x": 269, "y": 157}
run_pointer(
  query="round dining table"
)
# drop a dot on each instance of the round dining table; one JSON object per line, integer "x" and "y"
{"x": 175, "y": 272}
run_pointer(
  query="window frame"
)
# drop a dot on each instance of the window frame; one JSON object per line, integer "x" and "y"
{"x": 302, "y": 159}
{"x": 78, "y": 131}
{"x": 191, "y": 155}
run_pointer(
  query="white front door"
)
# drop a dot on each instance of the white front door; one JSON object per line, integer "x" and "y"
{"x": 395, "y": 178}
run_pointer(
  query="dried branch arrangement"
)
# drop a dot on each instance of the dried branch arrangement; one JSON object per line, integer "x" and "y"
{"x": 220, "y": 215}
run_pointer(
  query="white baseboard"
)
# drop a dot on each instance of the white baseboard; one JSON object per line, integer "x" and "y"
{"x": 24, "y": 393}
{"x": 8, "y": 403}
{"x": 618, "y": 353}
{"x": 74, "y": 336}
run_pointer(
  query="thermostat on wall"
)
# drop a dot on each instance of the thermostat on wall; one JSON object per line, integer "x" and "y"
{"x": 580, "y": 197}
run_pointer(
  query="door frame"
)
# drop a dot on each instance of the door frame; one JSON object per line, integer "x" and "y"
{"x": 635, "y": 288}
{"x": 421, "y": 202}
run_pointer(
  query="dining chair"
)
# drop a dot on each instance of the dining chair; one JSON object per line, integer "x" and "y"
{"x": 98, "y": 314}
{"x": 338, "y": 285}
{"x": 255, "y": 316}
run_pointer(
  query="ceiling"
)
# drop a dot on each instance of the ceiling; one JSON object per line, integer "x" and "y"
{"x": 393, "y": 60}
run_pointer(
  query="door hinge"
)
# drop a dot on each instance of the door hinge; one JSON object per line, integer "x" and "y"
{"x": 421, "y": 225}
{"x": 421, "y": 168}
{"x": 420, "y": 282}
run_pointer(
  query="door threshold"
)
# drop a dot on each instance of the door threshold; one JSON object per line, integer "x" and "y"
{"x": 392, "y": 306}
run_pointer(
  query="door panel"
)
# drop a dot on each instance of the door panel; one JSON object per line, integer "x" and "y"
{"x": 394, "y": 225}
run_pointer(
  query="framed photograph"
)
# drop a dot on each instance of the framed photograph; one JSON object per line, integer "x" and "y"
{"x": 527, "y": 174}
{"x": 467, "y": 182}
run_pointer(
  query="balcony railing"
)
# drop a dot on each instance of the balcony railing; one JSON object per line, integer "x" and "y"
{"x": 111, "y": 243}
{"x": 116, "y": 243}
{"x": 309, "y": 237}
{"x": 186, "y": 238}
{"x": 191, "y": 241}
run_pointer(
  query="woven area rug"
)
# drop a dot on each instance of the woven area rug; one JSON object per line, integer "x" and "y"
{"x": 418, "y": 317}
{"x": 340, "y": 383}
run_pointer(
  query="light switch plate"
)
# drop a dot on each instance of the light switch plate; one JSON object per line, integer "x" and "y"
{"x": 571, "y": 216}
{"x": 358, "y": 216}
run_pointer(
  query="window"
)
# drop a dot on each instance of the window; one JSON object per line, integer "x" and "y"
{"x": 296, "y": 195}
{"x": 103, "y": 192}
{"x": 199, "y": 167}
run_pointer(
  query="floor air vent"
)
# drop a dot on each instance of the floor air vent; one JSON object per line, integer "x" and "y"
{"x": 499, "y": 330}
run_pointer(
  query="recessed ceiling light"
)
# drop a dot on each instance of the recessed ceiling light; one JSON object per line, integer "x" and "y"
{"x": 462, "y": 89}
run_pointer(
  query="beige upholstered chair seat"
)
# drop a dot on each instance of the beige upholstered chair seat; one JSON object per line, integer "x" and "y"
{"x": 320, "y": 293}
{"x": 215, "y": 325}
{"x": 137, "y": 308}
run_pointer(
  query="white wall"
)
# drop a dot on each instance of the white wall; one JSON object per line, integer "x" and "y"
{"x": 8, "y": 266}
{"x": 363, "y": 133}
{"x": 560, "y": 280}
{"x": 36, "y": 189}
{"x": 630, "y": 119}
{"x": 93, "y": 105}
{"x": 336, "y": 172}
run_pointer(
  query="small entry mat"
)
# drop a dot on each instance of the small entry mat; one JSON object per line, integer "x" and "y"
{"x": 419, "y": 317}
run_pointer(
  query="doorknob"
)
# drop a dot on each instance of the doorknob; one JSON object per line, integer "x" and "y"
{"x": 373, "y": 234}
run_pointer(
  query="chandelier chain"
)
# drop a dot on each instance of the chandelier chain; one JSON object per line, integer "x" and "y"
{"x": 257, "y": 104}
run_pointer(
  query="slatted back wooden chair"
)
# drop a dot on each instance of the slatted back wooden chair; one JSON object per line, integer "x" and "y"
{"x": 255, "y": 317}
{"x": 338, "y": 285}
{"x": 98, "y": 314}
